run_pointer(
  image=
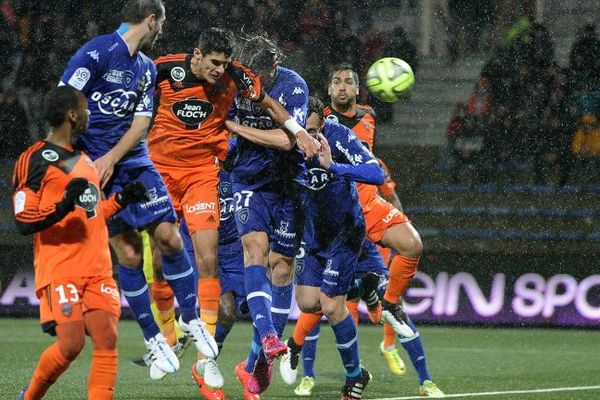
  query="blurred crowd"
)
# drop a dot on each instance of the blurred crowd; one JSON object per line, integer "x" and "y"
{"x": 526, "y": 113}
{"x": 38, "y": 38}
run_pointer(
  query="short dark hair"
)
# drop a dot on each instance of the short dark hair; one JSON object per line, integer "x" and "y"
{"x": 259, "y": 52}
{"x": 343, "y": 67}
{"x": 217, "y": 40}
{"x": 58, "y": 102}
{"x": 315, "y": 106}
{"x": 135, "y": 11}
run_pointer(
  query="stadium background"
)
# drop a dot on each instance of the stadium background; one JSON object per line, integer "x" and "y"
{"x": 482, "y": 150}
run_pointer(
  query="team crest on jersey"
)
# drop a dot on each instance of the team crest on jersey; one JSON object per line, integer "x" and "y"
{"x": 367, "y": 125}
{"x": 89, "y": 200}
{"x": 67, "y": 310}
{"x": 242, "y": 215}
{"x": 178, "y": 74}
{"x": 333, "y": 118}
{"x": 192, "y": 111}
{"x": 49, "y": 155}
{"x": 318, "y": 178}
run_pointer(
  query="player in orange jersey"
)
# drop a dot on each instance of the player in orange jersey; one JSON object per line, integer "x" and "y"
{"x": 386, "y": 225}
{"x": 57, "y": 198}
{"x": 188, "y": 139}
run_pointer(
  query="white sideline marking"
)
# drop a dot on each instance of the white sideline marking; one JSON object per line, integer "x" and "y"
{"x": 558, "y": 389}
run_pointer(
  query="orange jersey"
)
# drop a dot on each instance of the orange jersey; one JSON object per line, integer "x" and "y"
{"x": 76, "y": 246}
{"x": 189, "y": 127}
{"x": 362, "y": 122}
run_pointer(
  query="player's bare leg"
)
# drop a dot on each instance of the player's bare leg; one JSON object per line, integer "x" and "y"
{"x": 406, "y": 243}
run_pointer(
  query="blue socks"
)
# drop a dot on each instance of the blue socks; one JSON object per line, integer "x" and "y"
{"x": 178, "y": 271}
{"x": 221, "y": 334}
{"x": 416, "y": 352}
{"x": 280, "y": 309}
{"x": 309, "y": 351}
{"x": 135, "y": 289}
{"x": 255, "y": 349}
{"x": 258, "y": 297}
{"x": 346, "y": 340}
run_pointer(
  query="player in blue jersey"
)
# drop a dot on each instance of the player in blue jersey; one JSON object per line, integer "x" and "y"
{"x": 119, "y": 80}
{"x": 370, "y": 260}
{"x": 269, "y": 190}
{"x": 334, "y": 233}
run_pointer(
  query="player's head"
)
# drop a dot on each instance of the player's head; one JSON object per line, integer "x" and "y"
{"x": 261, "y": 55}
{"x": 315, "y": 116}
{"x": 147, "y": 13}
{"x": 66, "y": 105}
{"x": 343, "y": 85}
{"x": 213, "y": 54}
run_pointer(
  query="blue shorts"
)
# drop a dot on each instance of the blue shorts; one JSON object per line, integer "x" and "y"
{"x": 332, "y": 271}
{"x": 275, "y": 210}
{"x": 140, "y": 215}
{"x": 371, "y": 260}
{"x": 231, "y": 271}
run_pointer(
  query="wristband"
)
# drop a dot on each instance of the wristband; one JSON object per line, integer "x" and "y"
{"x": 293, "y": 126}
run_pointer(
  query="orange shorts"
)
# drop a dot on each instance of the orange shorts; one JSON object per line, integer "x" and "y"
{"x": 195, "y": 194}
{"x": 379, "y": 216}
{"x": 67, "y": 299}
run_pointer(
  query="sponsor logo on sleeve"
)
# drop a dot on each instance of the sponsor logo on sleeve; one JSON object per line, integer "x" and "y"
{"x": 297, "y": 90}
{"x": 299, "y": 115}
{"x": 20, "y": 199}
{"x": 80, "y": 77}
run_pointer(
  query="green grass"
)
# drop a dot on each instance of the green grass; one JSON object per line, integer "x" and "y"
{"x": 461, "y": 360}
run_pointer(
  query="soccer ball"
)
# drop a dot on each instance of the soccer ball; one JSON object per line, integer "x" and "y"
{"x": 390, "y": 78}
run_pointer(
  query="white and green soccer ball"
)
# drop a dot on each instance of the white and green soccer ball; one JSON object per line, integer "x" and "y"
{"x": 390, "y": 78}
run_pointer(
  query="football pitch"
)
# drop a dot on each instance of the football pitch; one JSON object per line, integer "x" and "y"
{"x": 465, "y": 362}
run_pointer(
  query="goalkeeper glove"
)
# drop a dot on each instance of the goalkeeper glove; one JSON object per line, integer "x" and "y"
{"x": 132, "y": 193}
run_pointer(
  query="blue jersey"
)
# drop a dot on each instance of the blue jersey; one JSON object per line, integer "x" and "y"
{"x": 255, "y": 165}
{"x": 227, "y": 229}
{"x": 118, "y": 86}
{"x": 333, "y": 214}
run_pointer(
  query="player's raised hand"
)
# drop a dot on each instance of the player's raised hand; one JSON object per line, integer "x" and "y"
{"x": 105, "y": 166}
{"x": 325, "y": 158}
{"x": 308, "y": 144}
{"x": 131, "y": 193}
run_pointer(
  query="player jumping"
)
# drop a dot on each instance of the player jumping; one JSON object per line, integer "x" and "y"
{"x": 118, "y": 80}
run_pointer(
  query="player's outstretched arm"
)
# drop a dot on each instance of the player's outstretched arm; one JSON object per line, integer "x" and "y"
{"x": 360, "y": 165}
{"x": 274, "y": 138}
{"x": 133, "y": 136}
{"x": 309, "y": 145}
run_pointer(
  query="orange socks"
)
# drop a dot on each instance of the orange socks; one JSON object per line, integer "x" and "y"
{"x": 305, "y": 324}
{"x": 353, "y": 309}
{"x": 164, "y": 299}
{"x": 402, "y": 270}
{"x": 389, "y": 336}
{"x": 51, "y": 365}
{"x": 103, "y": 375}
{"x": 209, "y": 292}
